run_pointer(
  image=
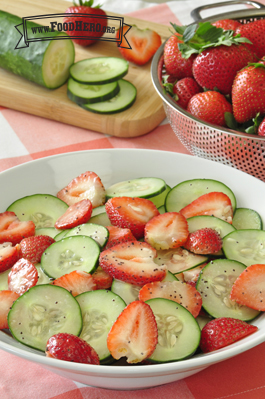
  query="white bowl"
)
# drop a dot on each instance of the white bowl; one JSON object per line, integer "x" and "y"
{"x": 48, "y": 175}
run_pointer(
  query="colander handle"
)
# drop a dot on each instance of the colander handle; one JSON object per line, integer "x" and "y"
{"x": 195, "y": 14}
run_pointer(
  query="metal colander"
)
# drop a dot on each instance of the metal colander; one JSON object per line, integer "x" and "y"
{"x": 240, "y": 150}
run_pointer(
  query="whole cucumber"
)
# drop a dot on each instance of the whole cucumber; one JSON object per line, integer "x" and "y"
{"x": 43, "y": 62}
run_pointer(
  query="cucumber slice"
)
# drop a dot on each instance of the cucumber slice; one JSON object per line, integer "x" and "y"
{"x": 69, "y": 254}
{"x": 159, "y": 200}
{"x": 245, "y": 218}
{"x": 99, "y": 233}
{"x": 44, "y": 310}
{"x": 100, "y": 309}
{"x": 178, "y": 332}
{"x": 199, "y": 222}
{"x": 99, "y": 70}
{"x": 122, "y": 101}
{"x": 162, "y": 209}
{"x": 45, "y": 62}
{"x": 42, "y": 277}
{"x": 4, "y": 280}
{"x": 129, "y": 292}
{"x": 245, "y": 246}
{"x": 42, "y": 209}
{"x": 143, "y": 187}
{"x": 98, "y": 210}
{"x": 101, "y": 219}
{"x": 184, "y": 193}
{"x": 61, "y": 235}
{"x": 81, "y": 93}
{"x": 178, "y": 260}
{"x": 215, "y": 283}
{"x": 47, "y": 231}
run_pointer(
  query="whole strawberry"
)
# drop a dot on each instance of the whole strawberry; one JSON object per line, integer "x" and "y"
{"x": 224, "y": 331}
{"x": 227, "y": 24}
{"x": 216, "y": 67}
{"x": 204, "y": 241}
{"x": 248, "y": 92}
{"x": 210, "y": 106}
{"x": 261, "y": 130}
{"x": 71, "y": 348}
{"x": 32, "y": 248}
{"x": 83, "y": 24}
{"x": 175, "y": 64}
{"x": 184, "y": 90}
{"x": 255, "y": 32}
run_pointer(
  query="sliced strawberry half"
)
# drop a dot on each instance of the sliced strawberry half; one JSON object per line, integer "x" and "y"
{"x": 69, "y": 347}
{"x": 144, "y": 43}
{"x": 132, "y": 262}
{"x": 134, "y": 333}
{"x": 76, "y": 214}
{"x": 76, "y": 282}
{"x": 204, "y": 241}
{"x": 131, "y": 213}
{"x": 8, "y": 256}
{"x": 88, "y": 185}
{"x": 32, "y": 248}
{"x": 22, "y": 276}
{"x": 182, "y": 293}
{"x": 117, "y": 235}
{"x": 218, "y": 333}
{"x": 165, "y": 231}
{"x": 249, "y": 287}
{"x": 102, "y": 279}
{"x": 13, "y": 230}
{"x": 7, "y": 298}
{"x": 215, "y": 203}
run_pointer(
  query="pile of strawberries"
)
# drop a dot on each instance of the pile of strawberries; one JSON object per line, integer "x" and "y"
{"x": 136, "y": 234}
{"x": 217, "y": 73}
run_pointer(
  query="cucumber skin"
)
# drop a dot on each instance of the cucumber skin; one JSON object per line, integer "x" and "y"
{"x": 26, "y": 62}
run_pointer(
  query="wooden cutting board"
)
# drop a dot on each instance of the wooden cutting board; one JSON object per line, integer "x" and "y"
{"x": 19, "y": 94}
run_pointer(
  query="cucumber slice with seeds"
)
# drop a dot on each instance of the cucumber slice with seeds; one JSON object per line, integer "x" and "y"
{"x": 189, "y": 190}
{"x": 81, "y": 93}
{"x": 69, "y": 254}
{"x": 99, "y": 70}
{"x": 245, "y": 246}
{"x": 47, "y": 231}
{"x": 215, "y": 283}
{"x": 143, "y": 187}
{"x": 122, "y": 101}
{"x": 245, "y": 218}
{"x": 42, "y": 209}
{"x": 99, "y": 309}
{"x": 44, "y": 310}
{"x": 99, "y": 233}
{"x": 178, "y": 331}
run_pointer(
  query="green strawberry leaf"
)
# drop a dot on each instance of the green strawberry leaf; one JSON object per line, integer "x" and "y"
{"x": 230, "y": 121}
{"x": 200, "y": 36}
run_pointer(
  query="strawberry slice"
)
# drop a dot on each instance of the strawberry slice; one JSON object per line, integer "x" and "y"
{"x": 204, "y": 241}
{"x": 169, "y": 230}
{"x": 76, "y": 282}
{"x": 117, "y": 235}
{"x": 182, "y": 293}
{"x": 76, "y": 214}
{"x": 131, "y": 213}
{"x": 249, "y": 287}
{"x": 191, "y": 276}
{"x": 218, "y": 333}
{"x": 13, "y": 230}
{"x": 134, "y": 333}
{"x": 214, "y": 203}
{"x": 7, "y": 298}
{"x": 132, "y": 262}
{"x": 88, "y": 185}
{"x": 22, "y": 276}
{"x": 69, "y": 347}
{"x": 8, "y": 256}
{"x": 102, "y": 279}
{"x": 32, "y": 248}
{"x": 144, "y": 43}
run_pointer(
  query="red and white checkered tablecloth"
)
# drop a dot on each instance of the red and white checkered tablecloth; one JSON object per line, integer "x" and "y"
{"x": 25, "y": 137}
